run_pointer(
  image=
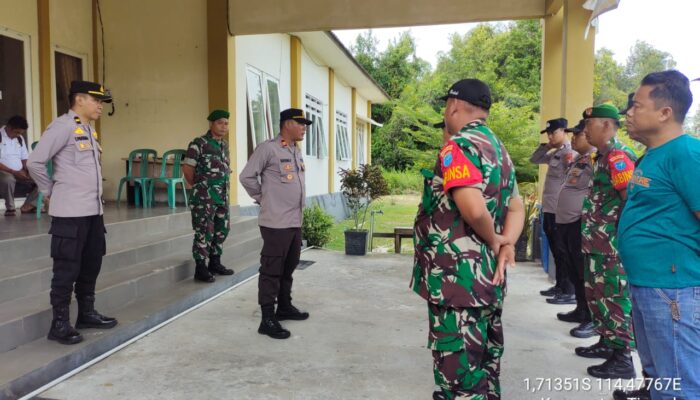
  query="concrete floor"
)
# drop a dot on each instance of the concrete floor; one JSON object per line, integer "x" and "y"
{"x": 365, "y": 340}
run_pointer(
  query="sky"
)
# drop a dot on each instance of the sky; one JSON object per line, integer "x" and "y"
{"x": 672, "y": 26}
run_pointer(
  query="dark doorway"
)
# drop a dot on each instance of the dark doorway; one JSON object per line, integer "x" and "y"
{"x": 68, "y": 69}
{"x": 13, "y": 93}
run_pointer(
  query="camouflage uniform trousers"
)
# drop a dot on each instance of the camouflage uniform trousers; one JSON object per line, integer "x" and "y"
{"x": 211, "y": 225}
{"x": 467, "y": 345}
{"x": 608, "y": 298}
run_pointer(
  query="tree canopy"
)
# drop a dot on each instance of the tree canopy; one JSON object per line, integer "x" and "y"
{"x": 505, "y": 56}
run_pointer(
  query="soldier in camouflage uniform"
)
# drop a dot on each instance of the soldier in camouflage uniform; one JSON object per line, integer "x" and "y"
{"x": 605, "y": 279}
{"x": 470, "y": 210}
{"x": 206, "y": 167}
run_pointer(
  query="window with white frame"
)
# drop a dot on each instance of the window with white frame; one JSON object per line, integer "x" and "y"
{"x": 315, "y": 135}
{"x": 342, "y": 141}
{"x": 360, "y": 143}
{"x": 263, "y": 103}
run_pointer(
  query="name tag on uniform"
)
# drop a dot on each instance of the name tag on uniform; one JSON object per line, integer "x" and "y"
{"x": 83, "y": 145}
{"x": 285, "y": 160}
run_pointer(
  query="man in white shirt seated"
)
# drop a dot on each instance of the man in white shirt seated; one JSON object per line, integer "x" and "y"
{"x": 14, "y": 177}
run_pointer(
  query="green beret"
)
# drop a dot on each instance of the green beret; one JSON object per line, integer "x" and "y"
{"x": 218, "y": 114}
{"x": 602, "y": 111}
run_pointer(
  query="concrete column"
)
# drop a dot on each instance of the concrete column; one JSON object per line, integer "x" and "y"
{"x": 369, "y": 133}
{"x": 353, "y": 127}
{"x": 221, "y": 52}
{"x": 567, "y": 67}
{"x": 295, "y": 78}
{"x": 45, "y": 53}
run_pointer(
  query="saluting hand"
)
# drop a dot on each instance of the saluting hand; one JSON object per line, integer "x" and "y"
{"x": 506, "y": 259}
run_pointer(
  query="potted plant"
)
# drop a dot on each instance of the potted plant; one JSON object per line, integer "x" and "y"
{"x": 360, "y": 187}
{"x": 529, "y": 196}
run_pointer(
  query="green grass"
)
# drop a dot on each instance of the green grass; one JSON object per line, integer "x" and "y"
{"x": 399, "y": 210}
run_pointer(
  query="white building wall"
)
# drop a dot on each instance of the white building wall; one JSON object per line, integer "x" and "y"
{"x": 269, "y": 54}
{"x": 314, "y": 81}
{"x": 343, "y": 103}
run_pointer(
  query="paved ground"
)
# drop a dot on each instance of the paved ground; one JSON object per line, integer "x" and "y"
{"x": 365, "y": 340}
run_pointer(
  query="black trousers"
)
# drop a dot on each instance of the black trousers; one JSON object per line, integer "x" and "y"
{"x": 278, "y": 260}
{"x": 77, "y": 247}
{"x": 561, "y": 274}
{"x": 572, "y": 257}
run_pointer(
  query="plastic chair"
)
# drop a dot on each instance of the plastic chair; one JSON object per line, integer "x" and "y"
{"x": 142, "y": 180}
{"x": 40, "y": 197}
{"x": 174, "y": 179}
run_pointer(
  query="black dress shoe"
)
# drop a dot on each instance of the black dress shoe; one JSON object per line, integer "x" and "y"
{"x": 553, "y": 291}
{"x": 272, "y": 328}
{"x": 584, "y": 330}
{"x": 202, "y": 274}
{"x": 574, "y": 315}
{"x": 618, "y": 366}
{"x": 290, "y": 313}
{"x": 63, "y": 333}
{"x": 439, "y": 395}
{"x": 215, "y": 266}
{"x": 641, "y": 394}
{"x": 562, "y": 299}
{"x": 598, "y": 350}
{"x": 93, "y": 319}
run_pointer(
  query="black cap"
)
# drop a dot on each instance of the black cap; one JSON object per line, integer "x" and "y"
{"x": 472, "y": 91}
{"x": 92, "y": 88}
{"x": 440, "y": 125}
{"x": 295, "y": 114}
{"x": 578, "y": 128}
{"x": 554, "y": 124}
{"x": 630, "y": 103}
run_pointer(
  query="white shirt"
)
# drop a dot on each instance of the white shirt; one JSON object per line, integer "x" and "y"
{"x": 12, "y": 153}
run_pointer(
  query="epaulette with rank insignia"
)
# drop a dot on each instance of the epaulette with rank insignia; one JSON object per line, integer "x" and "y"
{"x": 77, "y": 120}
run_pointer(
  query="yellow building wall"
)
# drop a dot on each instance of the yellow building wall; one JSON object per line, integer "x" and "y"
{"x": 71, "y": 33}
{"x": 157, "y": 70}
{"x": 20, "y": 17}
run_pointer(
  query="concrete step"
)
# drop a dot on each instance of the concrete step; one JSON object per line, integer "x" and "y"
{"x": 25, "y": 319}
{"x": 38, "y": 362}
{"x": 30, "y": 247}
{"x": 27, "y": 278}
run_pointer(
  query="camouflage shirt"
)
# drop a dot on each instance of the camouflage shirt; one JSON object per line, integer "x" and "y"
{"x": 612, "y": 170}
{"x": 453, "y": 267}
{"x": 210, "y": 159}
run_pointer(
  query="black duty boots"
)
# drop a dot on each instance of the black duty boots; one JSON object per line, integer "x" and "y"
{"x": 598, "y": 350}
{"x": 202, "y": 274}
{"x": 215, "y": 266}
{"x": 289, "y": 312}
{"x": 61, "y": 329}
{"x": 618, "y": 366}
{"x": 270, "y": 326}
{"x": 89, "y": 318}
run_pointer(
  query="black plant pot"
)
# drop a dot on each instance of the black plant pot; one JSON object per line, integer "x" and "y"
{"x": 521, "y": 248}
{"x": 356, "y": 243}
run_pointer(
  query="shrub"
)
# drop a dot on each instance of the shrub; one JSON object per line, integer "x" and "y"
{"x": 403, "y": 182}
{"x": 316, "y": 227}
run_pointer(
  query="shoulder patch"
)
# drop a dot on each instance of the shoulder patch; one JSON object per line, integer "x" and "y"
{"x": 457, "y": 169}
{"x": 621, "y": 168}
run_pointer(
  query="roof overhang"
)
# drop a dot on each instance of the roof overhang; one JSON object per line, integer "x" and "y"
{"x": 324, "y": 47}
{"x": 275, "y": 16}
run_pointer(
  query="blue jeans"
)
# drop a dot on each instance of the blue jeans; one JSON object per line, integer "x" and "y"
{"x": 667, "y": 328}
